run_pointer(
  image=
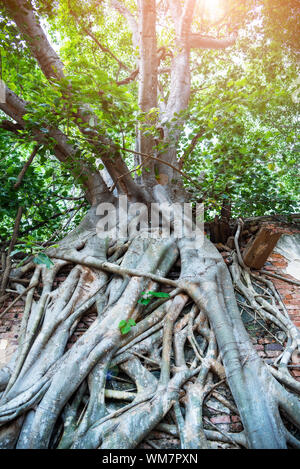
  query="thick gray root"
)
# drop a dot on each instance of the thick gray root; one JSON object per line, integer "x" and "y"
{"x": 54, "y": 397}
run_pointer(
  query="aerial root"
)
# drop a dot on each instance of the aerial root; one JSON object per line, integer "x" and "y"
{"x": 185, "y": 349}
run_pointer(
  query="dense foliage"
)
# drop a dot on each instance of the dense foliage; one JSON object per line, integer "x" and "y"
{"x": 240, "y": 141}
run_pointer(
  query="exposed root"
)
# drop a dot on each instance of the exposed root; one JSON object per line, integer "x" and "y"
{"x": 181, "y": 352}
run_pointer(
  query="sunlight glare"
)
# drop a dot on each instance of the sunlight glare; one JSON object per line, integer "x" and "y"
{"x": 212, "y": 9}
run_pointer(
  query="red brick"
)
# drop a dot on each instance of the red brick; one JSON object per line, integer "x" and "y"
{"x": 273, "y": 354}
{"x": 236, "y": 427}
{"x": 222, "y": 418}
{"x": 259, "y": 347}
{"x": 10, "y": 316}
{"x": 292, "y": 306}
{"x": 275, "y": 255}
{"x": 235, "y": 418}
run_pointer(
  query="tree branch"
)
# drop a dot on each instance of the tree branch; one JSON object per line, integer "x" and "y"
{"x": 162, "y": 53}
{"x": 148, "y": 66}
{"x": 197, "y": 41}
{"x": 130, "y": 78}
{"x": 186, "y": 18}
{"x": 10, "y": 126}
{"x": 15, "y": 107}
{"x": 190, "y": 148}
{"x": 176, "y": 12}
{"x": 21, "y": 12}
{"x": 53, "y": 217}
{"x": 130, "y": 19}
{"x": 147, "y": 156}
{"x": 101, "y": 47}
{"x": 35, "y": 284}
{"x": 26, "y": 166}
{"x": 50, "y": 64}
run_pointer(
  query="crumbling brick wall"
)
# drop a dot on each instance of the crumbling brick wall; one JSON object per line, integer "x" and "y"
{"x": 290, "y": 293}
{"x": 9, "y": 330}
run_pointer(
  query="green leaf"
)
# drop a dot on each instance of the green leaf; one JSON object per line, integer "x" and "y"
{"x": 42, "y": 258}
{"x": 15, "y": 252}
{"x": 22, "y": 261}
{"x": 125, "y": 329}
{"x": 160, "y": 294}
{"x": 143, "y": 301}
{"x": 122, "y": 323}
{"x": 131, "y": 322}
{"x": 151, "y": 294}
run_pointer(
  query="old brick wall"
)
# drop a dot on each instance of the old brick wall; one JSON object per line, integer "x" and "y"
{"x": 290, "y": 293}
{"x": 9, "y": 330}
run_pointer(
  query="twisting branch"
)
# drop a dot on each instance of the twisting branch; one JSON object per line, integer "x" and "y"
{"x": 162, "y": 53}
{"x": 146, "y": 155}
{"x": 104, "y": 49}
{"x": 15, "y": 107}
{"x": 26, "y": 166}
{"x": 190, "y": 148}
{"x": 236, "y": 243}
{"x": 130, "y": 78}
{"x": 26, "y": 290}
{"x": 22, "y": 12}
{"x": 280, "y": 277}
